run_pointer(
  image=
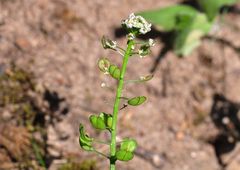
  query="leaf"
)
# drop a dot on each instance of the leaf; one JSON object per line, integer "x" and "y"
{"x": 212, "y": 7}
{"x": 127, "y": 147}
{"x": 84, "y": 140}
{"x": 137, "y": 100}
{"x": 114, "y": 71}
{"x": 188, "y": 39}
{"x": 166, "y": 18}
{"x": 101, "y": 122}
{"x": 103, "y": 65}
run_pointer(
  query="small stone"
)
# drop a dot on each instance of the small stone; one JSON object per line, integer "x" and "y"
{"x": 23, "y": 44}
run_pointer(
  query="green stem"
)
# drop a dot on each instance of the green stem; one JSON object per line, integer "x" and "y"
{"x": 116, "y": 105}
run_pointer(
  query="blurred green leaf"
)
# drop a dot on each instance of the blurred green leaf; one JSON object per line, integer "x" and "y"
{"x": 188, "y": 39}
{"x": 167, "y": 18}
{"x": 212, "y": 7}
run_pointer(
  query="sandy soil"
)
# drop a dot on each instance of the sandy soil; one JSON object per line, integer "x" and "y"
{"x": 175, "y": 129}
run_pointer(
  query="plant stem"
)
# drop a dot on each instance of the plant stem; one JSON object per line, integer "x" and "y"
{"x": 116, "y": 105}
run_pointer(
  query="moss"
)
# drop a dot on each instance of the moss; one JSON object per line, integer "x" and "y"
{"x": 84, "y": 165}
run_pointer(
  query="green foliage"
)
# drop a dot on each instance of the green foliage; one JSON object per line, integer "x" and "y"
{"x": 212, "y": 7}
{"x": 189, "y": 37}
{"x": 84, "y": 165}
{"x": 167, "y": 18}
{"x": 135, "y": 25}
{"x": 187, "y": 23}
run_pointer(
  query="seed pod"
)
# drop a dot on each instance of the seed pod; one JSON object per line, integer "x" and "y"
{"x": 123, "y": 155}
{"x": 107, "y": 43}
{"x": 84, "y": 140}
{"x": 103, "y": 65}
{"x": 127, "y": 147}
{"x": 137, "y": 100}
{"x": 107, "y": 119}
{"x": 146, "y": 78}
{"x": 97, "y": 122}
{"x": 114, "y": 71}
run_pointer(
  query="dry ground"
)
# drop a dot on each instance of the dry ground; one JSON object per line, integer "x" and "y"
{"x": 59, "y": 41}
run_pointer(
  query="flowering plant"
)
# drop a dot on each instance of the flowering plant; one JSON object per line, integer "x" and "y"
{"x": 135, "y": 25}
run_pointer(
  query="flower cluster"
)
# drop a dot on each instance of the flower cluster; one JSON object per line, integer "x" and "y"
{"x": 136, "y": 23}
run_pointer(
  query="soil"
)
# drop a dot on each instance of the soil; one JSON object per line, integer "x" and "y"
{"x": 191, "y": 119}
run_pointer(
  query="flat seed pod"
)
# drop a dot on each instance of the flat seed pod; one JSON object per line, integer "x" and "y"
{"x": 97, "y": 122}
{"x": 128, "y": 145}
{"x": 109, "y": 122}
{"x": 123, "y": 155}
{"x": 84, "y": 140}
{"x": 137, "y": 100}
{"x": 114, "y": 71}
{"x": 103, "y": 65}
{"x": 146, "y": 78}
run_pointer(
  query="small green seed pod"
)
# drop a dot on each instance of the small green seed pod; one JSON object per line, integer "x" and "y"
{"x": 97, "y": 122}
{"x": 137, "y": 100}
{"x": 103, "y": 65}
{"x": 114, "y": 71}
{"x": 123, "y": 155}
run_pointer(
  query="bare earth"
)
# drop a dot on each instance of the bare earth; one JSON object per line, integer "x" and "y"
{"x": 60, "y": 41}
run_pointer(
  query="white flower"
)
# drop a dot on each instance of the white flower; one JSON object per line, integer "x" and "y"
{"x": 137, "y": 22}
{"x": 141, "y": 53}
{"x": 151, "y": 42}
{"x": 130, "y": 36}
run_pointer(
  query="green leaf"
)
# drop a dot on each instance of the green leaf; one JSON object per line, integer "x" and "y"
{"x": 114, "y": 71}
{"x": 167, "y": 18}
{"x": 84, "y": 140}
{"x": 122, "y": 155}
{"x": 103, "y": 65}
{"x": 101, "y": 122}
{"x": 212, "y": 7}
{"x": 137, "y": 100}
{"x": 188, "y": 39}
